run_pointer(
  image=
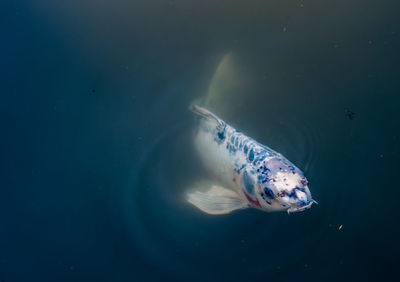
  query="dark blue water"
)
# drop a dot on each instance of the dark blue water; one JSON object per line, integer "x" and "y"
{"x": 96, "y": 138}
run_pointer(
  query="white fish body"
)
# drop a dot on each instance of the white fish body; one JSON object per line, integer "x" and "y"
{"x": 247, "y": 174}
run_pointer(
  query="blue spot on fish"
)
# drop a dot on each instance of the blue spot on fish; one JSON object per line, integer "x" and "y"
{"x": 231, "y": 149}
{"x": 251, "y": 155}
{"x": 265, "y": 180}
{"x": 260, "y": 158}
{"x": 269, "y": 193}
{"x": 248, "y": 183}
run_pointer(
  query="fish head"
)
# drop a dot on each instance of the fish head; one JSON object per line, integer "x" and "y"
{"x": 283, "y": 186}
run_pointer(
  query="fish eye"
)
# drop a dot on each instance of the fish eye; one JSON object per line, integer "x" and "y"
{"x": 269, "y": 193}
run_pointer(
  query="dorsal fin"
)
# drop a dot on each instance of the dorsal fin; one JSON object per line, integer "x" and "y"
{"x": 206, "y": 114}
{"x": 216, "y": 123}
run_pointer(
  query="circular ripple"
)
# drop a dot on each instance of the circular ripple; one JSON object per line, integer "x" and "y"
{"x": 174, "y": 235}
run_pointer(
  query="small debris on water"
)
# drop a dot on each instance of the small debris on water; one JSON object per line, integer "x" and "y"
{"x": 340, "y": 226}
{"x": 349, "y": 114}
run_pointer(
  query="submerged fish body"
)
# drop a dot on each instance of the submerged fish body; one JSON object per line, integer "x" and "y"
{"x": 249, "y": 173}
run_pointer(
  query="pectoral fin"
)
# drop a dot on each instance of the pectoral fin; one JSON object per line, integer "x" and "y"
{"x": 215, "y": 200}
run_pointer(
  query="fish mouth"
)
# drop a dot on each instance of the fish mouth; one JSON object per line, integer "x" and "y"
{"x": 302, "y": 208}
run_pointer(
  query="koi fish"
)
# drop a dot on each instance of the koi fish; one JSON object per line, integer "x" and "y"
{"x": 253, "y": 175}
{"x": 247, "y": 173}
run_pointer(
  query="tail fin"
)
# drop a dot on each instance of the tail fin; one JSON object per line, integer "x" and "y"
{"x": 223, "y": 82}
{"x": 228, "y": 89}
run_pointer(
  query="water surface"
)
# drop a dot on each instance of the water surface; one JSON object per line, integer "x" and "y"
{"x": 97, "y": 138}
